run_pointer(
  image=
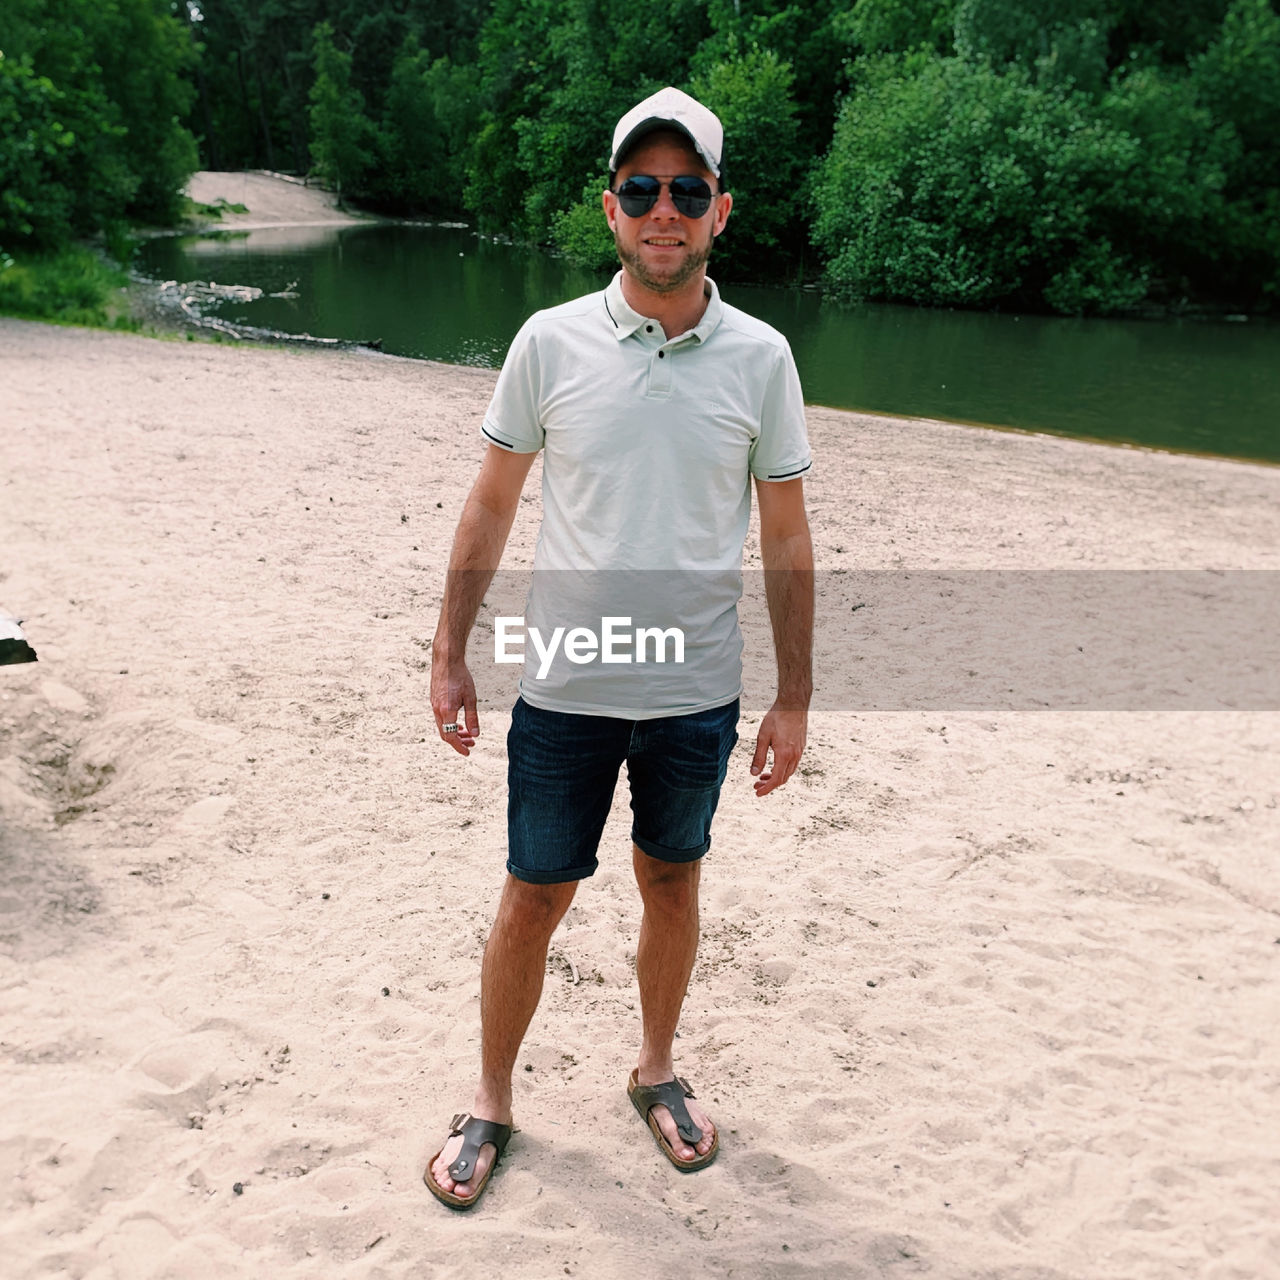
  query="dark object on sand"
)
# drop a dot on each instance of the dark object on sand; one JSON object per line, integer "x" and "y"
{"x": 13, "y": 644}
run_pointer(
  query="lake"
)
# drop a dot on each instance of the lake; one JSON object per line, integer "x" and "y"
{"x": 443, "y": 293}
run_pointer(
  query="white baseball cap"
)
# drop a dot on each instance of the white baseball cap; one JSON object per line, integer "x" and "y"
{"x": 671, "y": 109}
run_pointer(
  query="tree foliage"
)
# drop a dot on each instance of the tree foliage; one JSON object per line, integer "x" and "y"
{"x": 895, "y": 26}
{"x": 91, "y": 96}
{"x": 341, "y": 133}
{"x": 37, "y": 158}
{"x": 581, "y": 231}
{"x": 1059, "y": 158}
{"x": 1077, "y": 155}
{"x": 751, "y": 93}
{"x": 430, "y": 106}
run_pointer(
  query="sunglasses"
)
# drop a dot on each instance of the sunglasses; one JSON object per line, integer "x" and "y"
{"x": 690, "y": 194}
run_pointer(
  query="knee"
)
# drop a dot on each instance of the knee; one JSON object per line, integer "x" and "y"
{"x": 669, "y": 887}
{"x": 535, "y": 908}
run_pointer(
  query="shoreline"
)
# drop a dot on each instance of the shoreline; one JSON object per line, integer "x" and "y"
{"x": 273, "y": 203}
{"x": 171, "y": 324}
{"x": 167, "y": 323}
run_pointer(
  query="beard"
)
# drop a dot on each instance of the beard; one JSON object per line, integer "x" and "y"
{"x": 696, "y": 257}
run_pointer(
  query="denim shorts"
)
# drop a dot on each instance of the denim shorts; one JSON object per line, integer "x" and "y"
{"x": 561, "y": 774}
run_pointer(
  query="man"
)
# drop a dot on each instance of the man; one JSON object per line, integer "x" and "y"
{"x": 655, "y": 405}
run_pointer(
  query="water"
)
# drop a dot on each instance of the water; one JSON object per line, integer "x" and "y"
{"x": 445, "y": 294}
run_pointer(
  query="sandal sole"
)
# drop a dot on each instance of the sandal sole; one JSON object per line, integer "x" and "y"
{"x": 685, "y": 1166}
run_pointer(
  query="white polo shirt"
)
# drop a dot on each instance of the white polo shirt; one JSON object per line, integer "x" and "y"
{"x": 650, "y": 445}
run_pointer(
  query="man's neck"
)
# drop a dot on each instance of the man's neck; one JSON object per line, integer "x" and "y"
{"x": 676, "y": 312}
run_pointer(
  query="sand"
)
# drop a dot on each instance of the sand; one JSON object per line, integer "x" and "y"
{"x": 986, "y": 993}
{"x": 269, "y": 200}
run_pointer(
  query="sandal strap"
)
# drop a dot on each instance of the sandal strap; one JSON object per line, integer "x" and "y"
{"x": 671, "y": 1094}
{"x": 475, "y": 1133}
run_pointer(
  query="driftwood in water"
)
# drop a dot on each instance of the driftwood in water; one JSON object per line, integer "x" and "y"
{"x": 190, "y": 300}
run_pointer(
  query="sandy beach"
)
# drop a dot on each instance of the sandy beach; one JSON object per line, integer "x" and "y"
{"x": 267, "y": 200}
{"x": 981, "y": 993}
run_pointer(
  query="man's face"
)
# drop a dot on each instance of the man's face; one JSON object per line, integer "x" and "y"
{"x": 664, "y": 249}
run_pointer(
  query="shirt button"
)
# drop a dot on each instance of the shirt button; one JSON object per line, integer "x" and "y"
{"x": 648, "y": 328}
{"x": 661, "y": 355}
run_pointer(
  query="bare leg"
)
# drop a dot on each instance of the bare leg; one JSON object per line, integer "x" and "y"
{"x": 515, "y": 961}
{"x": 664, "y": 961}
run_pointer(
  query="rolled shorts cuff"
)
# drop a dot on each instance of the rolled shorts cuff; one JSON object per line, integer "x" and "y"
{"x": 561, "y": 876}
{"x": 664, "y": 854}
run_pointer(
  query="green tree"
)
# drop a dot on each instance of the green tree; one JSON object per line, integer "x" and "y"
{"x": 257, "y": 66}
{"x": 809, "y": 36}
{"x": 145, "y": 57}
{"x": 413, "y": 143}
{"x": 256, "y": 71}
{"x": 1238, "y": 79}
{"x": 751, "y": 93}
{"x": 1166, "y": 32}
{"x": 964, "y": 186}
{"x": 512, "y": 64}
{"x": 37, "y": 159}
{"x": 554, "y": 78}
{"x": 894, "y": 26}
{"x": 454, "y": 89}
{"x": 430, "y": 114}
{"x": 116, "y": 68}
{"x": 1021, "y": 31}
{"x": 341, "y": 134}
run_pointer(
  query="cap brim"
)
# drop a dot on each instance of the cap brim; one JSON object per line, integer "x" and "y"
{"x": 651, "y": 125}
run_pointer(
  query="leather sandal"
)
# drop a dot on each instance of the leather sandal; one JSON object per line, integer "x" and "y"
{"x": 671, "y": 1094}
{"x": 475, "y": 1133}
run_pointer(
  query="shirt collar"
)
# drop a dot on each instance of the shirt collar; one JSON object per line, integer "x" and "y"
{"x": 626, "y": 321}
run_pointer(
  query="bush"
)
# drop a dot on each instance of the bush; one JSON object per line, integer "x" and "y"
{"x": 929, "y": 192}
{"x": 963, "y": 185}
{"x": 581, "y": 232}
{"x": 74, "y": 285}
{"x": 1097, "y": 280}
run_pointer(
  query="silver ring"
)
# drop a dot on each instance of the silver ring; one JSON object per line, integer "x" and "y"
{"x": 449, "y": 728}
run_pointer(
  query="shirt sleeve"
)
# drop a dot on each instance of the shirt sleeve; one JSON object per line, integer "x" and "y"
{"x": 513, "y": 420}
{"x": 781, "y": 450}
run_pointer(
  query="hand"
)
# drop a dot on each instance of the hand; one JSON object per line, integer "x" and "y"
{"x": 784, "y": 731}
{"x": 453, "y": 699}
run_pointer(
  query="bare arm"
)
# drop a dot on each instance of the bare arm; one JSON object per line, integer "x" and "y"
{"x": 787, "y": 551}
{"x": 477, "y": 550}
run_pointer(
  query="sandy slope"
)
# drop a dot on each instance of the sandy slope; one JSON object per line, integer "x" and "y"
{"x": 982, "y": 994}
{"x": 269, "y": 200}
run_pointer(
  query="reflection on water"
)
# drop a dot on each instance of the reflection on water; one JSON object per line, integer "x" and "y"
{"x": 446, "y": 294}
{"x": 262, "y": 240}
